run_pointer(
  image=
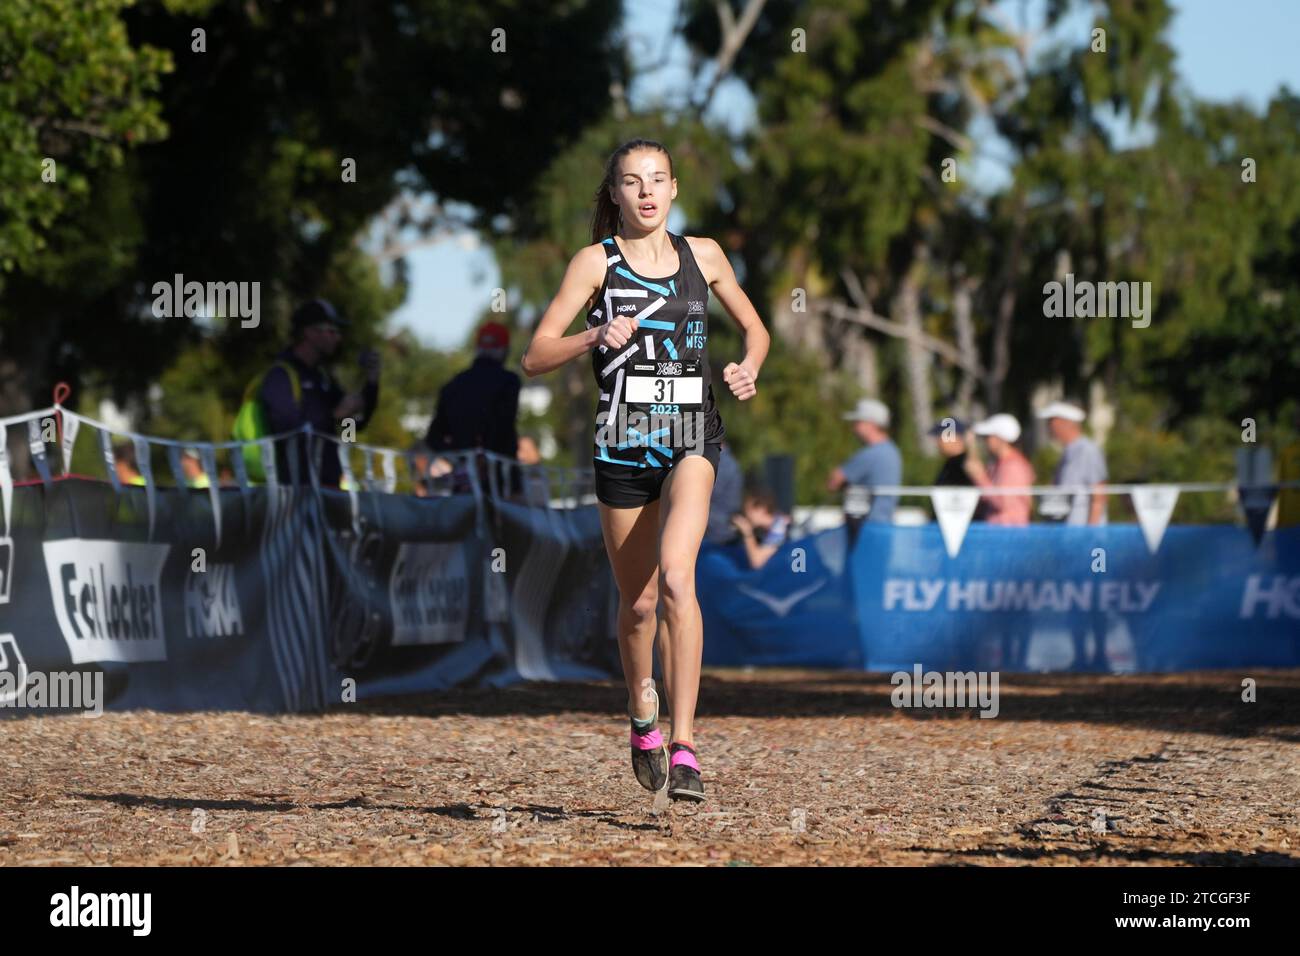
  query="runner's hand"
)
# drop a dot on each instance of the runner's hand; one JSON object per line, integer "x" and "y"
{"x": 617, "y": 333}
{"x": 741, "y": 381}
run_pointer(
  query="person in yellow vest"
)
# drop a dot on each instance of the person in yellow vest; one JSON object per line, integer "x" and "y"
{"x": 192, "y": 467}
{"x": 124, "y": 464}
{"x": 1288, "y": 469}
{"x": 298, "y": 389}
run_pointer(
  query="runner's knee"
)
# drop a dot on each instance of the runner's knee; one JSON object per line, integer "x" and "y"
{"x": 677, "y": 580}
{"x": 643, "y": 607}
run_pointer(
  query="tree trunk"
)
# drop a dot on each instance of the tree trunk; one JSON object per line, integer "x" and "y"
{"x": 905, "y": 309}
{"x": 963, "y": 291}
{"x": 1006, "y": 312}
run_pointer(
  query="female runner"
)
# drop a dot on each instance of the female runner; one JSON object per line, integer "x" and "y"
{"x": 658, "y": 432}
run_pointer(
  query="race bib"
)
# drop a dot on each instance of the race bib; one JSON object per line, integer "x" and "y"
{"x": 679, "y": 384}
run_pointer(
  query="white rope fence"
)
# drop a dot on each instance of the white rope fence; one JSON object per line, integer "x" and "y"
{"x": 484, "y": 474}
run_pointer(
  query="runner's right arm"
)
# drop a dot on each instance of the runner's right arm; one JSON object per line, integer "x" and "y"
{"x": 550, "y": 347}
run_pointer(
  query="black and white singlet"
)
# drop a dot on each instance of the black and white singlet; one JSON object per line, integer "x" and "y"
{"x": 656, "y": 397}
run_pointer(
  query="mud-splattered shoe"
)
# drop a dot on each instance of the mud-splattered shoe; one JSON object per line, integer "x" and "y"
{"x": 649, "y": 756}
{"x": 684, "y": 773}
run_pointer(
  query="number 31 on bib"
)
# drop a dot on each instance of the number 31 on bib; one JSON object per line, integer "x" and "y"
{"x": 677, "y": 382}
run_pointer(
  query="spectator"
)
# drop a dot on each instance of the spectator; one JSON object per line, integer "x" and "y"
{"x": 950, "y": 434}
{"x": 536, "y": 486}
{"x": 762, "y": 526}
{"x": 1082, "y": 463}
{"x": 420, "y": 462}
{"x": 527, "y": 451}
{"x": 477, "y": 408}
{"x": 1010, "y": 469}
{"x": 299, "y": 390}
{"x": 192, "y": 468}
{"x": 726, "y": 498}
{"x": 124, "y": 464}
{"x": 879, "y": 463}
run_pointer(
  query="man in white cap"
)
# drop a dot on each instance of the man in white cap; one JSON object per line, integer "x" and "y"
{"x": 1010, "y": 469}
{"x": 1081, "y": 464}
{"x": 879, "y": 463}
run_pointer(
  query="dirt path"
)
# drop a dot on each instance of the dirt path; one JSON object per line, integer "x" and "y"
{"x": 801, "y": 767}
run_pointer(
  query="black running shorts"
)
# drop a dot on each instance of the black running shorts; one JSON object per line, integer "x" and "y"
{"x": 626, "y": 486}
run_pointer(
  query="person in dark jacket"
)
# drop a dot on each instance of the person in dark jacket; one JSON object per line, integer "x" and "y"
{"x": 322, "y": 402}
{"x": 477, "y": 409}
{"x": 950, "y": 434}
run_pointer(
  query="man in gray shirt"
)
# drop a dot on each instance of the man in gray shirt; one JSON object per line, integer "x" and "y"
{"x": 879, "y": 463}
{"x": 1082, "y": 463}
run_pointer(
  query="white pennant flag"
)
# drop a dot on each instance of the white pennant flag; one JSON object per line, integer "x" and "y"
{"x": 954, "y": 507}
{"x": 1154, "y": 505}
{"x": 6, "y": 481}
{"x": 70, "y": 425}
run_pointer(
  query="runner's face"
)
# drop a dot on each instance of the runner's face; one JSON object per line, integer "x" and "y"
{"x": 644, "y": 189}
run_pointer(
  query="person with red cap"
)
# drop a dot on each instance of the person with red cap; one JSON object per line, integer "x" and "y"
{"x": 477, "y": 408}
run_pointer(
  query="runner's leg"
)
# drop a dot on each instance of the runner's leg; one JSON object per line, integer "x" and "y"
{"x": 683, "y": 518}
{"x": 631, "y": 542}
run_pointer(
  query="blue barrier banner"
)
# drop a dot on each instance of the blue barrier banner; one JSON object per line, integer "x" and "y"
{"x": 1050, "y": 597}
{"x": 796, "y": 611}
{"x": 302, "y": 604}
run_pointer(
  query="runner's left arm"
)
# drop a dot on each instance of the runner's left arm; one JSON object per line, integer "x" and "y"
{"x": 742, "y": 376}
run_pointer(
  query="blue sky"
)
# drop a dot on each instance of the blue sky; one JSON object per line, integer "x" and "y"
{"x": 1243, "y": 49}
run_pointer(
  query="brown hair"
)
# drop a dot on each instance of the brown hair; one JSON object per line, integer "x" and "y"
{"x": 605, "y": 219}
{"x": 761, "y": 498}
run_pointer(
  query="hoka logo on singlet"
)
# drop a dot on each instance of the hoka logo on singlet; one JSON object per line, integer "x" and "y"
{"x": 630, "y": 307}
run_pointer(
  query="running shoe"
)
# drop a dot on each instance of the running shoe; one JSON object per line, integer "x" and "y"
{"x": 684, "y": 774}
{"x": 649, "y": 756}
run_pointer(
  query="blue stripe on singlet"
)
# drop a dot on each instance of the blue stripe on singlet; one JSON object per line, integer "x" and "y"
{"x": 652, "y": 461}
{"x": 672, "y": 286}
{"x": 666, "y": 452}
{"x": 604, "y": 456}
{"x": 635, "y": 438}
{"x": 668, "y": 344}
{"x": 662, "y": 290}
{"x": 656, "y": 324}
